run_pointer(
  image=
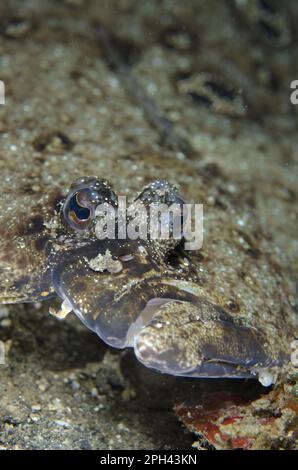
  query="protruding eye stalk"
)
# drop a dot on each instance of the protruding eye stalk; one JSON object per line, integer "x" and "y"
{"x": 164, "y": 200}
{"x": 160, "y": 191}
{"x": 80, "y": 204}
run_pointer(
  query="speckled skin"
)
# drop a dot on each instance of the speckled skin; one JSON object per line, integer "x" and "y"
{"x": 131, "y": 121}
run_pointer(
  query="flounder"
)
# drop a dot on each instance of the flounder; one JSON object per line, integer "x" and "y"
{"x": 222, "y": 311}
{"x": 226, "y": 310}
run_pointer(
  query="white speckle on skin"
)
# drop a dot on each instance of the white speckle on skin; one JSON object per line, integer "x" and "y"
{"x": 142, "y": 250}
{"x": 66, "y": 308}
{"x": 127, "y": 257}
{"x": 266, "y": 377}
{"x": 105, "y": 262}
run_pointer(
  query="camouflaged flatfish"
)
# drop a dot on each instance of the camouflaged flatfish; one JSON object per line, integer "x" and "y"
{"x": 84, "y": 130}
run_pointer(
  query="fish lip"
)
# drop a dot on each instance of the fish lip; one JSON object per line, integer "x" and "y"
{"x": 89, "y": 323}
{"x": 120, "y": 343}
{"x": 207, "y": 370}
{"x": 64, "y": 297}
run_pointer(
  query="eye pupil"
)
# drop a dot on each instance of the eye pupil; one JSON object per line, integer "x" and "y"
{"x": 82, "y": 213}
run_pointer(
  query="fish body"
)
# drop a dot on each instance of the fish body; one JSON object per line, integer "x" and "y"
{"x": 226, "y": 310}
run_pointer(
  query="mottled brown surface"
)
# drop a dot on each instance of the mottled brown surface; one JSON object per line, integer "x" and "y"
{"x": 72, "y": 111}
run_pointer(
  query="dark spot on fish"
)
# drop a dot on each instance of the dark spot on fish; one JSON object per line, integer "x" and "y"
{"x": 269, "y": 30}
{"x": 56, "y": 139}
{"x": 41, "y": 242}
{"x": 254, "y": 253}
{"x": 220, "y": 204}
{"x": 199, "y": 256}
{"x": 183, "y": 334}
{"x": 200, "y": 99}
{"x": 250, "y": 201}
{"x": 35, "y": 225}
{"x": 283, "y": 315}
{"x": 262, "y": 147}
{"x": 22, "y": 261}
{"x": 131, "y": 158}
{"x": 28, "y": 189}
{"x": 221, "y": 90}
{"x": 212, "y": 170}
{"x": 181, "y": 76}
{"x": 65, "y": 140}
{"x": 233, "y": 306}
{"x": 267, "y": 6}
{"x": 274, "y": 82}
{"x": 15, "y": 27}
{"x": 40, "y": 160}
{"x": 57, "y": 202}
{"x": 81, "y": 286}
{"x": 138, "y": 268}
{"x": 127, "y": 52}
{"x": 75, "y": 75}
{"x": 40, "y": 144}
{"x": 174, "y": 259}
{"x": 252, "y": 250}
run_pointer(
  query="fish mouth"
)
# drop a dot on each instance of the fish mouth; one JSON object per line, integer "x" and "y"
{"x": 93, "y": 324}
{"x": 114, "y": 333}
{"x": 166, "y": 362}
{"x": 111, "y": 304}
{"x": 176, "y": 333}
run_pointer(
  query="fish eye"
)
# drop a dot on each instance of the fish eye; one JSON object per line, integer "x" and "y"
{"x": 77, "y": 210}
{"x": 165, "y": 193}
{"x": 85, "y": 194}
{"x": 80, "y": 212}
